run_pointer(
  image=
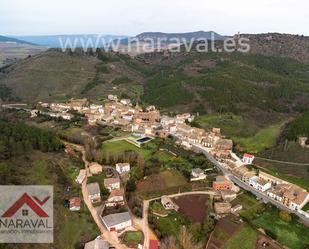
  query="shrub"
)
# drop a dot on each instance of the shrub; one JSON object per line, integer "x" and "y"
{"x": 285, "y": 216}
{"x": 271, "y": 234}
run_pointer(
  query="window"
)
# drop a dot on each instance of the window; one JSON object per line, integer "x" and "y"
{"x": 25, "y": 212}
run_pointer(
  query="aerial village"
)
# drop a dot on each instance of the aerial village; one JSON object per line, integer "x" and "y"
{"x": 146, "y": 124}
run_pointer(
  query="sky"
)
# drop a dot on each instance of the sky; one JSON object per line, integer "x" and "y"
{"x": 131, "y": 17}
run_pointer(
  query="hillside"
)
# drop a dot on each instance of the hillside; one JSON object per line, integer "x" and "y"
{"x": 54, "y": 75}
{"x": 13, "y": 40}
{"x": 53, "y": 41}
{"x": 281, "y": 45}
{"x": 183, "y": 36}
{"x": 12, "y": 49}
{"x": 256, "y": 86}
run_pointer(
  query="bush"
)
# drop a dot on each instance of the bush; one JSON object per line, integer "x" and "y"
{"x": 299, "y": 127}
{"x": 285, "y": 216}
{"x": 271, "y": 234}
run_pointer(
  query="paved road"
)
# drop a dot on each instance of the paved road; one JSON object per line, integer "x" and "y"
{"x": 240, "y": 183}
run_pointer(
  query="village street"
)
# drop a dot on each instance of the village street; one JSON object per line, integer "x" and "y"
{"x": 243, "y": 185}
{"x": 142, "y": 224}
{"x": 111, "y": 237}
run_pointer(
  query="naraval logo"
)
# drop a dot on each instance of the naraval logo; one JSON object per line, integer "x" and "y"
{"x": 26, "y": 214}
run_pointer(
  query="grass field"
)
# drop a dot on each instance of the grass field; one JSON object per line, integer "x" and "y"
{"x": 293, "y": 234}
{"x": 115, "y": 147}
{"x": 251, "y": 207}
{"x": 71, "y": 232}
{"x": 164, "y": 156}
{"x": 245, "y": 239}
{"x": 167, "y": 182}
{"x": 157, "y": 207}
{"x": 231, "y": 125}
{"x": 265, "y": 138}
{"x": 133, "y": 237}
{"x": 171, "y": 224}
{"x": 243, "y": 131}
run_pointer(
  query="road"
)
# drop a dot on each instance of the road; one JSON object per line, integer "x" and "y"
{"x": 240, "y": 183}
{"x": 284, "y": 162}
{"x": 111, "y": 237}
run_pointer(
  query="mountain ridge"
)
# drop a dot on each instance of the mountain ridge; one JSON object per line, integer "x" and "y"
{"x": 8, "y": 39}
{"x": 185, "y": 35}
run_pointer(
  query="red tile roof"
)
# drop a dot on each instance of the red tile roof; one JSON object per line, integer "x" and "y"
{"x": 248, "y": 155}
{"x": 153, "y": 244}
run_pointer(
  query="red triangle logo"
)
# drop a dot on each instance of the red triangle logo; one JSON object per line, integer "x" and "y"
{"x": 26, "y": 199}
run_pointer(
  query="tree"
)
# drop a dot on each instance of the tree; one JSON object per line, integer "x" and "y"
{"x": 131, "y": 185}
{"x": 169, "y": 243}
{"x": 285, "y": 216}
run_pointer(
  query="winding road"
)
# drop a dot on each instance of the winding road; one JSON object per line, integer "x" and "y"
{"x": 110, "y": 237}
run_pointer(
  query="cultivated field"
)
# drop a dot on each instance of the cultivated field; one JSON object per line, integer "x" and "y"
{"x": 193, "y": 206}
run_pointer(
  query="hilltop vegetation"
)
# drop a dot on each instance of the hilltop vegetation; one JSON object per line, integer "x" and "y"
{"x": 17, "y": 138}
{"x": 31, "y": 156}
{"x": 259, "y": 90}
{"x": 299, "y": 127}
{"x": 280, "y": 45}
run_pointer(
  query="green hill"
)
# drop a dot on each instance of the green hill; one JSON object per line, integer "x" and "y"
{"x": 255, "y": 86}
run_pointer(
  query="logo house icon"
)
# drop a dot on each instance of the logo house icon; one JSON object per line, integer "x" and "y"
{"x": 32, "y": 202}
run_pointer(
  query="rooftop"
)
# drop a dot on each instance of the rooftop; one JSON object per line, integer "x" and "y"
{"x": 93, "y": 188}
{"x": 115, "y": 219}
{"x": 97, "y": 244}
{"x": 221, "y": 179}
{"x": 197, "y": 171}
{"x": 110, "y": 181}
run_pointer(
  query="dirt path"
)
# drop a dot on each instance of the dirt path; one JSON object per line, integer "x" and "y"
{"x": 142, "y": 224}
{"x": 148, "y": 233}
{"x": 111, "y": 237}
{"x": 284, "y": 162}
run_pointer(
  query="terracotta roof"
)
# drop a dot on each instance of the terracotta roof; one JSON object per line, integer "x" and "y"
{"x": 116, "y": 192}
{"x": 75, "y": 202}
{"x": 300, "y": 198}
{"x": 153, "y": 244}
{"x": 248, "y": 155}
{"x": 110, "y": 181}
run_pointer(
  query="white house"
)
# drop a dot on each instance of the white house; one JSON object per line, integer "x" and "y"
{"x": 259, "y": 184}
{"x": 94, "y": 192}
{"x": 125, "y": 101}
{"x": 197, "y": 175}
{"x": 97, "y": 244}
{"x": 117, "y": 222}
{"x": 278, "y": 191}
{"x": 247, "y": 158}
{"x": 115, "y": 198}
{"x": 112, "y": 97}
{"x": 122, "y": 167}
{"x": 112, "y": 183}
